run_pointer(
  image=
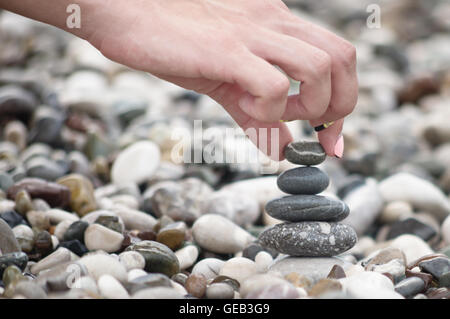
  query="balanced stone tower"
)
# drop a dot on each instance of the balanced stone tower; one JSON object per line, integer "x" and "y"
{"x": 311, "y": 225}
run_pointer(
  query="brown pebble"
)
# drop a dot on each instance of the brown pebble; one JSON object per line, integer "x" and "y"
{"x": 438, "y": 293}
{"x": 196, "y": 285}
{"x": 337, "y": 272}
{"x": 82, "y": 199}
{"x": 54, "y": 194}
{"x": 323, "y": 286}
{"x": 298, "y": 280}
{"x": 147, "y": 235}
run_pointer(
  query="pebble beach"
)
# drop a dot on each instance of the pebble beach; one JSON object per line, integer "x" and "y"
{"x": 108, "y": 190}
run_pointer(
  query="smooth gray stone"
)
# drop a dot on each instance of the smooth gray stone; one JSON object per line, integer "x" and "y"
{"x": 410, "y": 286}
{"x": 305, "y": 153}
{"x": 303, "y": 180}
{"x": 8, "y": 242}
{"x": 309, "y": 239}
{"x": 438, "y": 267}
{"x": 298, "y": 208}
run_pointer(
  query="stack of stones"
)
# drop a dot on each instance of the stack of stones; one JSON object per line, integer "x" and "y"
{"x": 311, "y": 225}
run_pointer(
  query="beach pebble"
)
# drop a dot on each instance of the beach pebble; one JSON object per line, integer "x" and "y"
{"x": 58, "y": 215}
{"x": 54, "y": 194}
{"x": 219, "y": 291}
{"x": 438, "y": 267}
{"x": 369, "y": 285}
{"x": 59, "y": 256}
{"x": 136, "y": 163}
{"x": 82, "y": 199}
{"x": 303, "y": 180}
{"x": 100, "y": 264}
{"x": 208, "y": 267}
{"x": 263, "y": 260}
{"x": 172, "y": 235}
{"x": 418, "y": 192}
{"x": 132, "y": 260}
{"x": 180, "y": 200}
{"x": 365, "y": 203}
{"x": 309, "y": 239}
{"x": 298, "y": 208}
{"x": 98, "y": 237}
{"x": 394, "y": 211}
{"x": 305, "y": 153}
{"x": 25, "y": 237}
{"x": 110, "y": 288}
{"x": 410, "y": 287}
{"x": 87, "y": 284}
{"x": 238, "y": 207}
{"x": 196, "y": 285}
{"x": 135, "y": 273}
{"x": 158, "y": 257}
{"x": 218, "y": 234}
{"x": 412, "y": 246}
{"x": 187, "y": 256}
{"x": 238, "y": 268}
{"x": 135, "y": 219}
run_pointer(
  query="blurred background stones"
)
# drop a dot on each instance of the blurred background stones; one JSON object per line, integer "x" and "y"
{"x": 89, "y": 176}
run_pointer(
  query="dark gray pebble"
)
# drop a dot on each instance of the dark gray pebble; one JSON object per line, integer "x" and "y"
{"x": 309, "y": 239}
{"x": 303, "y": 180}
{"x": 307, "y": 208}
{"x": 305, "y": 153}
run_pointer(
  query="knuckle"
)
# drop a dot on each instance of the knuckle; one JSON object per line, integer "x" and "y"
{"x": 347, "y": 54}
{"x": 321, "y": 64}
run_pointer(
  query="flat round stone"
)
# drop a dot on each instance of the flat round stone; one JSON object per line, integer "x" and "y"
{"x": 305, "y": 153}
{"x": 298, "y": 208}
{"x": 309, "y": 239}
{"x": 303, "y": 180}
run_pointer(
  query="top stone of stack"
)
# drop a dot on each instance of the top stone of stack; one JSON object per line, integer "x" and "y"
{"x": 305, "y": 153}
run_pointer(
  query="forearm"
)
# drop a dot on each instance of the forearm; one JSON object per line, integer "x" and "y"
{"x": 55, "y": 12}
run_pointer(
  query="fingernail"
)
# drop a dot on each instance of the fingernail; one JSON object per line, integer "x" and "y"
{"x": 339, "y": 147}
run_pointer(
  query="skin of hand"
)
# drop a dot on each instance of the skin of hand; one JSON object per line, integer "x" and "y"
{"x": 227, "y": 50}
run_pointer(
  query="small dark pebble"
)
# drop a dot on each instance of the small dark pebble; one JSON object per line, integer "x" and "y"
{"x": 337, "y": 272}
{"x": 76, "y": 231}
{"x": 12, "y": 218}
{"x": 74, "y": 246}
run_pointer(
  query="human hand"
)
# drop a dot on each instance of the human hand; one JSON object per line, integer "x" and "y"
{"x": 227, "y": 49}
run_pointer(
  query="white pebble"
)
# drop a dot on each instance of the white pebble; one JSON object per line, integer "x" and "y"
{"x": 110, "y": 288}
{"x": 99, "y": 237}
{"x": 263, "y": 260}
{"x": 87, "y": 284}
{"x": 239, "y": 268}
{"x": 132, "y": 260}
{"x": 187, "y": 256}
{"x": 135, "y": 273}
